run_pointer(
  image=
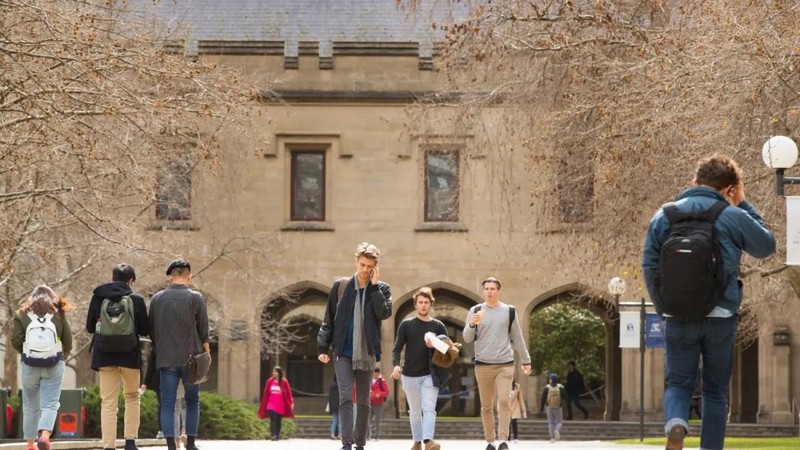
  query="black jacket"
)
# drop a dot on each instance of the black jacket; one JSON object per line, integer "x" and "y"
{"x": 574, "y": 384}
{"x": 115, "y": 291}
{"x": 339, "y": 314}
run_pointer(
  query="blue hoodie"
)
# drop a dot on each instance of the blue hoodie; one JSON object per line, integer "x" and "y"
{"x": 738, "y": 229}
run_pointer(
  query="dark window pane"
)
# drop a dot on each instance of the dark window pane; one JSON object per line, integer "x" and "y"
{"x": 308, "y": 186}
{"x": 441, "y": 186}
{"x": 175, "y": 193}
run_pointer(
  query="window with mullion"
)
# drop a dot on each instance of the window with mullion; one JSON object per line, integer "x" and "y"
{"x": 308, "y": 185}
{"x": 442, "y": 185}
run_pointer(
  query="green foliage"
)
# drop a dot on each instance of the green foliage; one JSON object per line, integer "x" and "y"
{"x": 564, "y": 332}
{"x": 221, "y": 417}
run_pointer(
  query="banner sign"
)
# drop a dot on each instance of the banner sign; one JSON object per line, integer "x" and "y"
{"x": 629, "y": 329}
{"x": 655, "y": 331}
{"x": 793, "y": 231}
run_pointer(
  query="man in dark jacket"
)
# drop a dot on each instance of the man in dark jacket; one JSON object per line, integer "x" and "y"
{"x": 115, "y": 364}
{"x": 739, "y": 228}
{"x": 574, "y": 388}
{"x": 352, "y": 328}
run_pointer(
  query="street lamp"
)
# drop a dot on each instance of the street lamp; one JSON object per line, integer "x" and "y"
{"x": 780, "y": 153}
{"x": 616, "y": 286}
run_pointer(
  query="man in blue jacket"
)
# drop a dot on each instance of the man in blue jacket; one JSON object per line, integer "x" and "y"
{"x": 738, "y": 228}
{"x": 352, "y": 329}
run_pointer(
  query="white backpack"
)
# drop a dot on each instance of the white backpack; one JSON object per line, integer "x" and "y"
{"x": 42, "y": 347}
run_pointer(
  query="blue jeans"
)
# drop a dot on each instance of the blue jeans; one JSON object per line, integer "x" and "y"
{"x": 335, "y": 423}
{"x": 170, "y": 376}
{"x": 421, "y": 395}
{"x": 41, "y": 392}
{"x": 685, "y": 344}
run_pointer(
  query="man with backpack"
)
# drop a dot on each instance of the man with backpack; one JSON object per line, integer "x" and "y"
{"x": 117, "y": 317}
{"x": 690, "y": 263}
{"x": 351, "y": 328}
{"x": 493, "y": 327}
{"x": 552, "y": 401}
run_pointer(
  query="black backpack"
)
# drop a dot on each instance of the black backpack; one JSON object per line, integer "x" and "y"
{"x": 690, "y": 273}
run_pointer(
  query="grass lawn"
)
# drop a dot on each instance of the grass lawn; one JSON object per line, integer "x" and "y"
{"x": 731, "y": 443}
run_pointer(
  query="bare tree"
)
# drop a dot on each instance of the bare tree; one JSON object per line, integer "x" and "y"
{"x": 616, "y": 101}
{"x": 98, "y": 107}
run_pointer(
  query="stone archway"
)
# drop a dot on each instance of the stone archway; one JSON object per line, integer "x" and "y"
{"x": 296, "y": 311}
{"x": 459, "y": 397}
{"x": 576, "y": 293}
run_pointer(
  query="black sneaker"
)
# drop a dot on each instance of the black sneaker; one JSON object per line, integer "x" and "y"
{"x": 490, "y": 447}
{"x": 347, "y": 446}
{"x": 503, "y": 446}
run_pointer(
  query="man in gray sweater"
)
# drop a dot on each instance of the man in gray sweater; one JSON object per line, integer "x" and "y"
{"x": 179, "y": 326}
{"x": 493, "y": 327}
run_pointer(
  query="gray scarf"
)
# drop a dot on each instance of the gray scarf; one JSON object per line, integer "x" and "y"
{"x": 362, "y": 360}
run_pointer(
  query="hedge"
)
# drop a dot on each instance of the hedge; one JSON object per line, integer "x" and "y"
{"x": 221, "y": 417}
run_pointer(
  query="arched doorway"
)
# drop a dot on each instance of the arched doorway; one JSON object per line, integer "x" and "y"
{"x": 290, "y": 322}
{"x": 459, "y": 396}
{"x": 606, "y": 397}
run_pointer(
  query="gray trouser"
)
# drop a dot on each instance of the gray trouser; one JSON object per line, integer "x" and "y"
{"x": 553, "y": 420}
{"x": 375, "y": 417}
{"x": 346, "y": 376}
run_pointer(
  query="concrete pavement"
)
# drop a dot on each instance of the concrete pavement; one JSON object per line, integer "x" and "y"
{"x": 323, "y": 444}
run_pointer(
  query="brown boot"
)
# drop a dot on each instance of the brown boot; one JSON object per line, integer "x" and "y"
{"x": 417, "y": 446}
{"x": 432, "y": 445}
{"x": 675, "y": 437}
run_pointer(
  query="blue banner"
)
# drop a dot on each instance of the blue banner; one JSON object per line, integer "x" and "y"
{"x": 654, "y": 327}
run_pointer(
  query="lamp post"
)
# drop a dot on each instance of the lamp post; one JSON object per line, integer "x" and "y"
{"x": 780, "y": 153}
{"x": 616, "y": 286}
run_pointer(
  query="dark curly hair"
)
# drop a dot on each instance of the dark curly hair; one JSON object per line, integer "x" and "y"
{"x": 718, "y": 171}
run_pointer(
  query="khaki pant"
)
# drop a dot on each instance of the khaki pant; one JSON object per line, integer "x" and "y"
{"x": 494, "y": 381}
{"x": 110, "y": 378}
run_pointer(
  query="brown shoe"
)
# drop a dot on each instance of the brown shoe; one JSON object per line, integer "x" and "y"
{"x": 417, "y": 446}
{"x": 432, "y": 445}
{"x": 675, "y": 437}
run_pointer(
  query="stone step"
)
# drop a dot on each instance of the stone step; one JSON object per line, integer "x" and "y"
{"x": 537, "y": 429}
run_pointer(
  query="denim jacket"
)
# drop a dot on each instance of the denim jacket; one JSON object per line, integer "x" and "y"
{"x": 738, "y": 229}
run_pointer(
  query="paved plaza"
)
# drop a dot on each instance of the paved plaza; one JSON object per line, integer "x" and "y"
{"x": 323, "y": 444}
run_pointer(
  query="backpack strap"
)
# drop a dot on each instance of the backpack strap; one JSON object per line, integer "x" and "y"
{"x": 709, "y": 215}
{"x": 512, "y": 314}
{"x": 343, "y": 282}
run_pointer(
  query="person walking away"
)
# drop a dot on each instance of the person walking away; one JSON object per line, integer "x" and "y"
{"x": 277, "y": 402}
{"x": 552, "y": 397}
{"x": 420, "y": 379}
{"x": 493, "y": 326}
{"x": 351, "y": 328}
{"x": 690, "y": 262}
{"x": 518, "y": 409}
{"x": 333, "y": 407}
{"x": 179, "y": 327}
{"x": 42, "y": 335}
{"x": 379, "y": 392}
{"x": 116, "y": 318}
{"x": 575, "y": 388}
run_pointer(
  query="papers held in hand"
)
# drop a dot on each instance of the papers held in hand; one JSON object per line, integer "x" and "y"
{"x": 437, "y": 343}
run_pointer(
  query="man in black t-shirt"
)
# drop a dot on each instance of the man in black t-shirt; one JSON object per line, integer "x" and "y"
{"x": 420, "y": 381}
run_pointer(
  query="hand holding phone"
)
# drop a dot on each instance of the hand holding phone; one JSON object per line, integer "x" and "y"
{"x": 374, "y": 274}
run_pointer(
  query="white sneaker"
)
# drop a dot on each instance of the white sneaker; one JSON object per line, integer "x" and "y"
{"x": 558, "y": 435}
{"x": 516, "y": 441}
{"x": 552, "y": 441}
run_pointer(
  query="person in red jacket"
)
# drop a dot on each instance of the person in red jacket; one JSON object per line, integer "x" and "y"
{"x": 276, "y": 402}
{"x": 378, "y": 393}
